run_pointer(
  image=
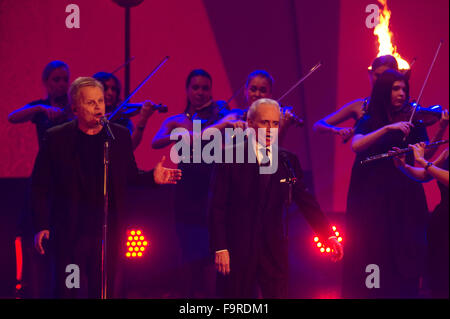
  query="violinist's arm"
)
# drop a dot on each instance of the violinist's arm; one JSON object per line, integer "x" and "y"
{"x": 443, "y": 123}
{"x": 25, "y": 114}
{"x": 162, "y": 137}
{"x": 144, "y": 115}
{"x": 435, "y": 170}
{"x": 329, "y": 124}
{"x": 362, "y": 142}
{"x": 230, "y": 121}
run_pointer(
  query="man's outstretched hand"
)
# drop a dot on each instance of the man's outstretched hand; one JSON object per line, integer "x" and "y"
{"x": 163, "y": 175}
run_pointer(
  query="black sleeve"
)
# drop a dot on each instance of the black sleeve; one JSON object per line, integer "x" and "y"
{"x": 218, "y": 206}
{"x": 363, "y": 125}
{"x": 41, "y": 179}
{"x": 308, "y": 204}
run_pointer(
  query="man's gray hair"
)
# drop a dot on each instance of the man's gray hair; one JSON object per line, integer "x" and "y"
{"x": 83, "y": 81}
{"x": 253, "y": 108}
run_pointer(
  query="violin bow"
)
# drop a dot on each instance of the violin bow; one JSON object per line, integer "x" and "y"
{"x": 123, "y": 65}
{"x": 426, "y": 79}
{"x": 119, "y": 108}
{"x": 236, "y": 93}
{"x": 313, "y": 69}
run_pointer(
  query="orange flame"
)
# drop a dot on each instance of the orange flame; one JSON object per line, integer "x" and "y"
{"x": 384, "y": 37}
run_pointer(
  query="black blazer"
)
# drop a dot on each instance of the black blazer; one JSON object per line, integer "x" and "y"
{"x": 57, "y": 177}
{"x": 247, "y": 218}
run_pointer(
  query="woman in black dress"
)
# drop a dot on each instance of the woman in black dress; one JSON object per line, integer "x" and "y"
{"x": 438, "y": 230}
{"x": 386, "y": 210}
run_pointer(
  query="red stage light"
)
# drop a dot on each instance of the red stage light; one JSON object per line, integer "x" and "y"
{"x": 323, "y": 247}
{"x": 135, "y": 243}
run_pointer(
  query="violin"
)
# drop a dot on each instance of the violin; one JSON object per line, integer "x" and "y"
{"x": 131, "y": 109}
{"x": 422, "y": 117}
{"x": 242, "y": 115}
{"x": 294, "y": 118}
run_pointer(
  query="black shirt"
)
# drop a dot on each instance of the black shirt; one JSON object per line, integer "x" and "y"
{"x": 90, "y": 151}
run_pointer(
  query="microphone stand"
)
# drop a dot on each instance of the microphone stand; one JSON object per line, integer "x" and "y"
{"x": 291, "y": 180}
{"x": 106, "y": 161}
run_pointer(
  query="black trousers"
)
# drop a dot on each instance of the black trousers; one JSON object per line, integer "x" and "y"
{"x": 252, "y": 282}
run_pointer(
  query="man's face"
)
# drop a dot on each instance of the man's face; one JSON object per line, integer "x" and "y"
{"x": 266, "y": 117}
{"x": 91, "y": 106}
{"x": 258, "y": 88}
{"x": 199, "y": 91}
{"x": 111, "y": 96}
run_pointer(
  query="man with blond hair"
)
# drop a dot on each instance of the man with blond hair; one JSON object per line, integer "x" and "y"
{"x": 67, "y": 190}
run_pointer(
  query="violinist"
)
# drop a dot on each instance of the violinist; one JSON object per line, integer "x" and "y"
{"x": 199, "y": 106}
{"x": 386, "y": 211}
{"x": 438, "y": 229}
{"x": 53, "y": 110}
{"x": 112, "y": 99}
{"x": 356, "y": 109}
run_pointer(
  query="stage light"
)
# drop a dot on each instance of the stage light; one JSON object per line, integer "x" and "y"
{"x": 135, "y": 244}
{"x": 323, "y": 247}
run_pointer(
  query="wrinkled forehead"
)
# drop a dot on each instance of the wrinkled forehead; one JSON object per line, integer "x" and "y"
{"x": 90, "y": 92}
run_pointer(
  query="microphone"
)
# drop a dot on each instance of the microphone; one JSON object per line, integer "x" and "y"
{"x": 287, "y": 164}
{"x": 103, "y": 121}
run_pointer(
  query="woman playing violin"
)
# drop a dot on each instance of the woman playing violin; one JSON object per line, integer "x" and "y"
{"x": 199, "y": 106}
{"x": 386, "y": 211}
{"x": 356, "y": 109}
{"x": 53, "y": 110}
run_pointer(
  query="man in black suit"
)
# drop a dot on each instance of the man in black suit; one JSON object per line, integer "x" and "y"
{"x": 248, "y": 226}
{"x": 67, "y": 190}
